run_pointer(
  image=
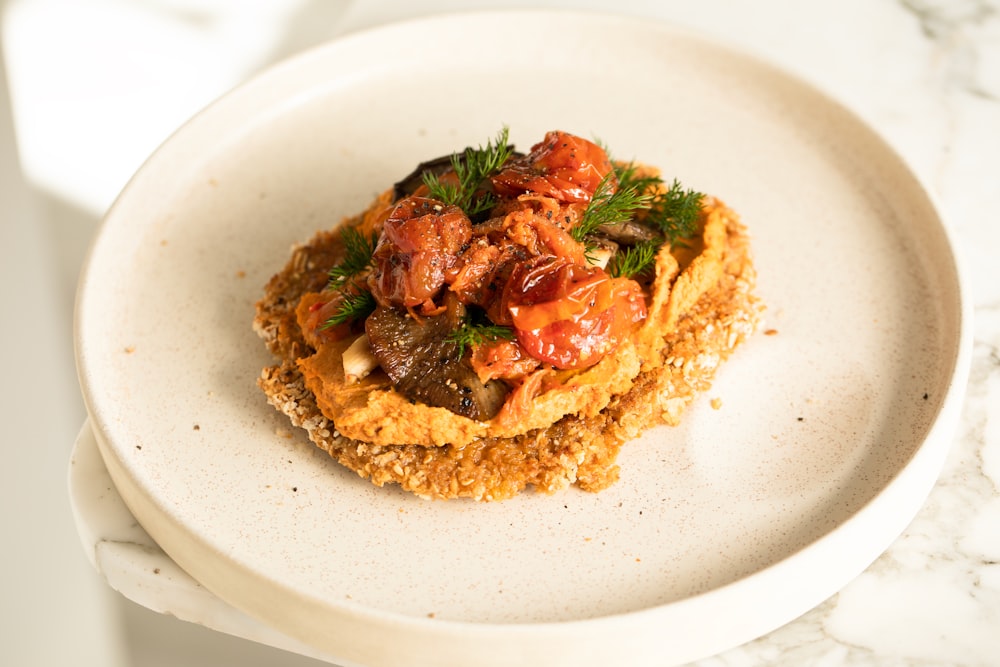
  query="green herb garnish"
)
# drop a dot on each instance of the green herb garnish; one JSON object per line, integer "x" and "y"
{"x": 675, "y": 212}
{"x": 610, "y": 206}
{"x": 471, "y": 334}
{"x": 633, "y": 261}
{"x": 471, "y": 168}
{"x": 354, "y": 306}
{"x": 358, "y": 250}
{"x": 357, "y": 302}
{"x": 628, "y": 177}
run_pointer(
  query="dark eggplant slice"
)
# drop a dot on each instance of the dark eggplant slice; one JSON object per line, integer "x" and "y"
{"x": 424, "y": 366}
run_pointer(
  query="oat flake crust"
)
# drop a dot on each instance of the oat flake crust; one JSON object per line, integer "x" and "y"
{"x": 574, "y": 450}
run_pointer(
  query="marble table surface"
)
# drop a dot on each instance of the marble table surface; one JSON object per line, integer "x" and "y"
{"x": 924, "y": 73}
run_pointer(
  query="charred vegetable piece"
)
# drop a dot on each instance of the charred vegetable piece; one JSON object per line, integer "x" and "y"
{"x": 463, "y": 186}
{"x": 462, "y": 178}
{"x": 629, "y": 232}
{"x": 410, "y": 184}
{"x": 425, "y": 366}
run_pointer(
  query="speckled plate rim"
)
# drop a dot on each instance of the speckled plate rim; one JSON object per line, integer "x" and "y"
{"x": 673, "y": 633}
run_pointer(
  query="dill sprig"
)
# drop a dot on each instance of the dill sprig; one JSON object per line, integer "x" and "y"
{"x": 610, "y": 205}
{"x": 676, "y": 212}
{"x": 628, "y": 177}
{"x": 356, "y": 302}
{"x": 633, "y": 261}
{"x": 471, "y": 168}
{"x": 472, "y": 333}
{"x": 673, "y": 210}
{"x": 358, "y": 250}
{"x": 353, "y": 306}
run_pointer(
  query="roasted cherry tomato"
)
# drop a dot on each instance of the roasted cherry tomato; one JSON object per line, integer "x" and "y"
{"x": 562, "y": 166}
{"x": 501, "y": 359}
{"x": 420, "y": 241}
{"x": 313, "y": 314}
{"x": 569, "y": 315}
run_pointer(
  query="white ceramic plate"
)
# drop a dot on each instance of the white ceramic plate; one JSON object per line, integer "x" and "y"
{"x": 830, "y": 434}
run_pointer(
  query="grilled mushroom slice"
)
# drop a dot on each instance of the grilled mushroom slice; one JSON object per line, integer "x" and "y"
{"x": 425, "y": 366}
{"x": 628, "y": 233}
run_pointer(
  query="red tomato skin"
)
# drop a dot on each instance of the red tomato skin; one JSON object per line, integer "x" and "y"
{"x": 562, "y": 166}
{"x": 419, "y": 244}
{"x": 568, "y": 315}
{"x": 567, "y": 344}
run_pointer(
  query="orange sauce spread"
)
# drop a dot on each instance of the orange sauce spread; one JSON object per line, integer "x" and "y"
{"x": 580, "y": 335}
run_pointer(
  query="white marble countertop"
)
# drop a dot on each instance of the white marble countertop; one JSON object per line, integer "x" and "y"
{"x": 924, "y": 73}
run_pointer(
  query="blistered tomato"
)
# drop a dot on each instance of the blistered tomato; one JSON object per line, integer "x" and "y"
{"x": 569, "y": 315}
{"x": 563, "y": 166}
{"x": 420, "y": 241}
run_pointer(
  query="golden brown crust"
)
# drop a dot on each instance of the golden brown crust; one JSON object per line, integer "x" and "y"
{"x": 704, "y": 328}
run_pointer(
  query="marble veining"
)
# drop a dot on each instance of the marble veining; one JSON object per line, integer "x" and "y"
{"x": 958, "y": 31}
